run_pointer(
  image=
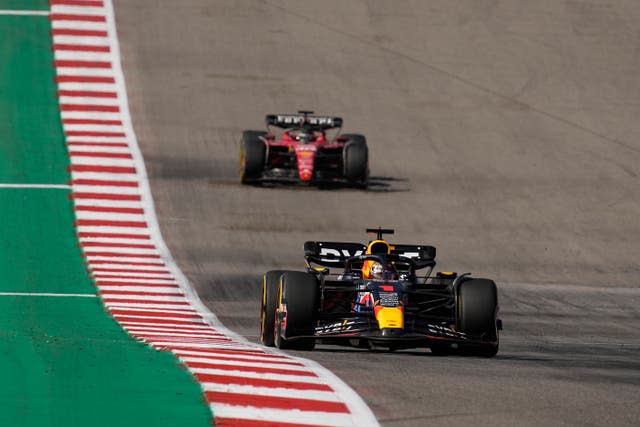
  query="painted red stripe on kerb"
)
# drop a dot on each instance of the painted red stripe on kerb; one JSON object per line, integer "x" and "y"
{"x": 92, "y": 234}
{"x": 81, "y": 47}
{"x": 241, "y": 359}
{"x": 167, "y": 327}
{"x": 109, "y": 223}
{"x": 84, "y": 79}
{"x": 178, "y": 293}
{"x": 87, "y": 108}
{"x": 169, "y": 336}
{"x": 79, "y": 33}
{"x": 66, "y": 63}
{"x": 96, "y": 168}
{"x": 87, "y": 93}
{"x": 73, "y": 17}
{"x": 92, "y": 122}
{"x": 110, "y": 210}
{"x": 100, "y": 282}
{"x": 260, "y": 382}
{"x": 127, "y": 270}
{"x": 215, "y": 351}
{"x": 237, "y": 355}
{"x": 115, "y": 276}
{"x": 240, "y": 422}
{"x": 88, "y": 3}
{"x": 139, "y": 264}
{"x": 122, "y": 255}
{"x": 100, "y": 154}
{"x": 144, "y": 301}
{"x": 256, "y": 369}
{"x": 275, "y": 402}
{"x": 155, "y": 321}
{"x": 107, "y": 183}
{"x": 117, "y": 245}
{"x": 96, "y": 134}
{"x": 193, "y": 316}
{"x": 105, "y": 196}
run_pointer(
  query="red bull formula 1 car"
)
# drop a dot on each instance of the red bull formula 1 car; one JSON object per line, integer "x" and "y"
{"x": 378, "y": 300}
{"x": 303, "y": 153}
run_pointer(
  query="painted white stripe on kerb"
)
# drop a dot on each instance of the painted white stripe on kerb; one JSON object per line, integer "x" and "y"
{"x": 24, "y": 12}
{"x": 239, "y": 355}
{"x": 85, "y": 72}
{"x": 119, "y": 139}
{"x": 170, "y": 335}
{"x": 85, "y": 160}
{"x": 311, "y": 418}
{"x": 175, "y": 328}
{"x": 109, "y": 216}
{"x": 71, "y": 55}
{"x": 83, "y": 40}
{"x": 165, "y": 289}
{"x": 93, "y": 87}
{"x": 78, "y": 10}
{"x": 221, "y": 362}
{"x": 78, "y": 25}
{"x": 325, "y": 396}
{"x": 258, "y": 375}
{"x": 45, "y": 186}
{"x": 83, "y": 100}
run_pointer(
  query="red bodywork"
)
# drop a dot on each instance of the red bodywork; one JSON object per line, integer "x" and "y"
{"x": 306, "y": 152}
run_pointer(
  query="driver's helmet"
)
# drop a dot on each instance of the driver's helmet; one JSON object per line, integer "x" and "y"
{"x": 304, "y": 136}
{"x": 374, "y": 270}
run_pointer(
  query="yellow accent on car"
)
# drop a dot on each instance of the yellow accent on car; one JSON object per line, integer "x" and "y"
{"x": 390, "y": 317}
{"x": 375, "y": 247}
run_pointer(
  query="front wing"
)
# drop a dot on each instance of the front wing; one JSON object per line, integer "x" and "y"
{"x": 415, "y": 334}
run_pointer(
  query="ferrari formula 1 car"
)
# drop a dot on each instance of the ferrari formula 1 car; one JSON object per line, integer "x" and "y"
{"x": 378, "y": 300}
{"x": 303, "y": 153}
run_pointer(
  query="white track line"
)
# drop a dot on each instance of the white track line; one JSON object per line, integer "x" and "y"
{"x": 40, "y": 294}
{"x": 24, "y": 12}
{"x": 39, "y": 186}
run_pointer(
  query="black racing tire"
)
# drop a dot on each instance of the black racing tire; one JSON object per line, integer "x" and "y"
{"x": 355, "y": 159}
{"x": 299, "y": 293}
{"x": 477, "y": 309}
{"x": 268, "y": 305}
{"x": 252, "y": 155}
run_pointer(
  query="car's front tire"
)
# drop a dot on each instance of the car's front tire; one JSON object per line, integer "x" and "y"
{"x": 477, "y": 309}
{"x": 268, "y": 305}
{"x": 252, "y": 155}
{"x": 298, "y": 293}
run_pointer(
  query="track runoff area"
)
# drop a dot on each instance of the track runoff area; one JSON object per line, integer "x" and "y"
{"x": 81, "y": 247}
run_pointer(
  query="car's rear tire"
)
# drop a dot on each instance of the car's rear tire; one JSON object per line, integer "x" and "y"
{"x": 355, "y": 160}
{"x": 252, "y": 155}
{"x": 298, "y": 292}
{"x": 268, "y": 305}
{"x": 477, "y": 309}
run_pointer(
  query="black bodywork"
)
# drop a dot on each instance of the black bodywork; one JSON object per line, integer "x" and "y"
{"x": 432, "y": 305}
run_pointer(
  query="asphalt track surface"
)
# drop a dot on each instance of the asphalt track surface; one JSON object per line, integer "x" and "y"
{"x": 503, "y": 132}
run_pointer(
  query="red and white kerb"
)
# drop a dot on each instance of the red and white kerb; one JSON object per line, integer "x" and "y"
{"x": 244, "y": 383}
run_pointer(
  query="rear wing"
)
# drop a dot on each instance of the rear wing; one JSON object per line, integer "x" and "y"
{"x": 335, "y": 254}
{"x": 303, "y": 120}
{"x": 331, "y": 254}
{"x": 422, "y": 255}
